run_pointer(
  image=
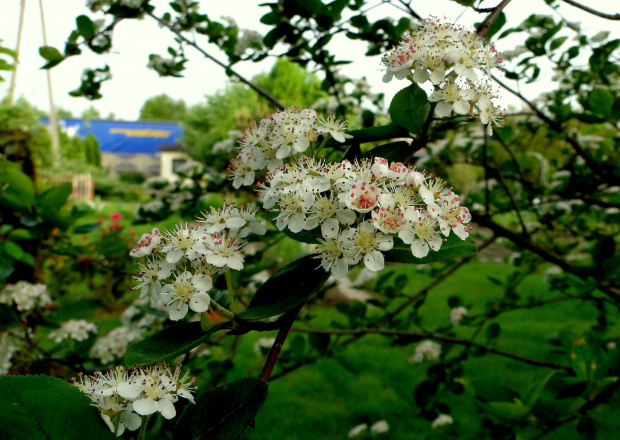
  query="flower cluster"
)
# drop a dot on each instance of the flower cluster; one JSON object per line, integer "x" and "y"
{"x": 457, "y": 62}
{"x": 123, "y": 396}
{"x": 426, "y": 351}
{"x": 183, "y": 261}
{"x": 75, "y": 329}
{"x": 360, "y": 207}
{"x": 25, "y": 296}
{"x": 380, "y": 427}
{"x": 265, "y": 145}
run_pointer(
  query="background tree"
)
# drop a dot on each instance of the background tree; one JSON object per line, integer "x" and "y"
{"x": 163, "y": 107}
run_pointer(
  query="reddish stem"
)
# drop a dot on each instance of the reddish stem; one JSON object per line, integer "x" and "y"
{"x": 272, "y": 357}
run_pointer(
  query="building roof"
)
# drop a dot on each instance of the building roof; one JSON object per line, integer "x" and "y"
{"x": 124, "y": 136}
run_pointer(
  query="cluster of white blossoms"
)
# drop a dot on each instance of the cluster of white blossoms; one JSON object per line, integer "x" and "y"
{"x": 377, "y": 428}
{"x": 426, "y": 351}
{"x": 442, "y": 420}
{"x": 182, "y": 262}
{"x": 124, "y": 396}
{"x": 26, "y": 296}
{"x": 360, "y": 207}
{"x": 74, "y": 329}
{"x": 458, "y": 63}
{"x": 457, "y": 314}
{"x": 279, "y": 136}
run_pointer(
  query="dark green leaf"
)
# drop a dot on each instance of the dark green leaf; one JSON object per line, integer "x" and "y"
{"x": 222, "y": 413}
{"x": 601, "y": 101}
{"x": 410, "y": 108}
{"x": 557, "y": 43}
{"x": 288, "y": 288}
{"x": 169, "y": 343}
{"x": 586, "y": 428}
{"x": 394, "y": 151}
{"x": 50, "y": 53}
{"x": 64, "y": 414}
{"x": 453, "y": 248}
{"x": 85, "y": 26}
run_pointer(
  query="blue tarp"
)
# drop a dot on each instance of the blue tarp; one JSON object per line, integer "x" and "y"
{"x": 124, "y": 136}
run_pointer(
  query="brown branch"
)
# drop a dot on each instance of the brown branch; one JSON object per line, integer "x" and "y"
{"x": 484, "y": 27}
{"x": 522, "y": 242}
{"x": 228, "y": 68}
{"x": 513, "y": 202}
{"x": 438, "y": 337}
{"x": 593, "y": 11}
{"x": 287, "y": 322}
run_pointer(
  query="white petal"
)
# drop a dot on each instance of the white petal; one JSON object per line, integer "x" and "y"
{"x": 128, "y": 390}
{"x": 217, "y": 260}
{"x": 419, "y": 248}
{"x": 131, "y": 420}
{"x": 443, "y": 109}
{"x": 374, "y": 261}
{"x": 176, "y": 310}
{"x": 166, "y": 408}
{"x": 199, "y": 302}
{"x": 297, "y": 222}
{"x": 461, "y": 107}
{"x": 330, "y": 228}
{"x": 145, "y": 406}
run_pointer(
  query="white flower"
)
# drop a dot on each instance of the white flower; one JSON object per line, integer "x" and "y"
{"x": 183, "y": 241}
{"x": 113, "y": 345}
{"x": 224, "y": 251}
{"x": 359, "y": 429}
{"x": 263, "y": 345}
{"x": 76, "y": 329}
{"x": 362, "y": 196}
{"x": 442, "y": 420}
{"x": 152, "y": 273}
{"x": 457, "y": 314}
{"x": 420, "y": 232}
{"x": 380, "y": 427}
{"x": 331, "y": 250}
{"x": 187, "y": 292}
{"x": 148, "y": 244}
{"x": 367, "y": 241}
{"x": 451, "y": 216}
{"x": 426, "y": 350}
{"x": 26, "y": 296}
{"x": 334, "y": 127}
{"x": 8, "y": 347}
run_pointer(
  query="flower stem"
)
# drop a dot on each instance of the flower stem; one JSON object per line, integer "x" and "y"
{"x": 144, "y": 422}
{"x": 322, "y": 145}
{"x": 231, "y": 292}
{"x": 227, "y": 313}
{"x": 272, "y": 357}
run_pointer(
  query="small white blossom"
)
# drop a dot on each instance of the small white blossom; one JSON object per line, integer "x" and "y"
{"x": 187, "y": 292}
{"x": 76, "y": 329}
{"x": 442, "y": 420}
{"x": 457, "y": 314}
{"x": 357, "y": 430}
{"x": 426, "y": 351}
{"x": 380, "y": 427}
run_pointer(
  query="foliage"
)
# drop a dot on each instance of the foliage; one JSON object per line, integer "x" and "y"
{"x": 544, "y": 191}
{"x": 163, "y": 107}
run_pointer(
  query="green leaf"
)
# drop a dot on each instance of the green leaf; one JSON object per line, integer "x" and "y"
{"x": 85, "y": 26}
{"x": 394, "y": 151}
{"x": 222, "y": 413}
{"x": 288, "y": 288}
{"x": 65, "y": 413}
{"x": 50, "y": 202}
{"x": 50, "y": 53}
{"x": 372, "y": 134}
{"x": 493, "y": 331}
{"x": 86, "y": 228}
{"x": 509, "y": 410}
{"x": 601, "y": 101}
{"x": 557, "y": 42}
{"x": 169, "y": 343}
{"x": 453, "y": 248}
{"x": 17, "y": 189}
{"x": 410, "y": 108}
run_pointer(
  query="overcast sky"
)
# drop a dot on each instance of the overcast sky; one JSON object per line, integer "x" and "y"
{"x": 133, "y": 41}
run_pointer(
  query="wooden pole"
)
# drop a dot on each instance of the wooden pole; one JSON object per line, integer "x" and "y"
{"x": 53, "y": 124}
{"x": 19, "y": 42}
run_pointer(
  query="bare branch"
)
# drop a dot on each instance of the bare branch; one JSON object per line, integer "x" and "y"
{"x": 593, "y": 11}
{"x": 484, "y": 27}
{"x": 245, "y": 81}
{"x": 438, "y": 337}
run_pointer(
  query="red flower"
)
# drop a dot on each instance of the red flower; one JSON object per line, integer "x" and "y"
{"x": 116, "y": 217}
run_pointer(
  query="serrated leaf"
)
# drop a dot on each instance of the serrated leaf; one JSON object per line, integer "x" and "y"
{"x": 453, "y": 248}
{"x": 222, "y": 413}
{"x": 288, "y": 288}
{"x": 410, "y": 108}
{"x": 65, "y": 413}
{"x": 85, "y": 26}
{"x": 169, "y": 343}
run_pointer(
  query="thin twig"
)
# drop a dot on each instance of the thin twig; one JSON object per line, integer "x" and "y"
{"x": 513, "y": 202}
{"x": 272, "y": 357}
{"x": 593, "y": 11}
{"x": 438, "y": 337}
{"x": 484, "y": 27}
{"x": 228, "y": 68}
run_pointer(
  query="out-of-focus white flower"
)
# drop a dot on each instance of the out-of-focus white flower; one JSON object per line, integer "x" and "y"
{"x": 426, "y": 351}
{"x": 263, "y": 345}
{"x": 26, "y": 296}
{"x": 147, "y": 244}
{"x": 112, "y": 346}
{"x": 9, "y": 345}
{"x": 76, "y": 329}
{"x": 357, "y": 430}
{"x": 457, "y": 314}
{"x": 442, "y": 420}
{"x": 380, "y": 427}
